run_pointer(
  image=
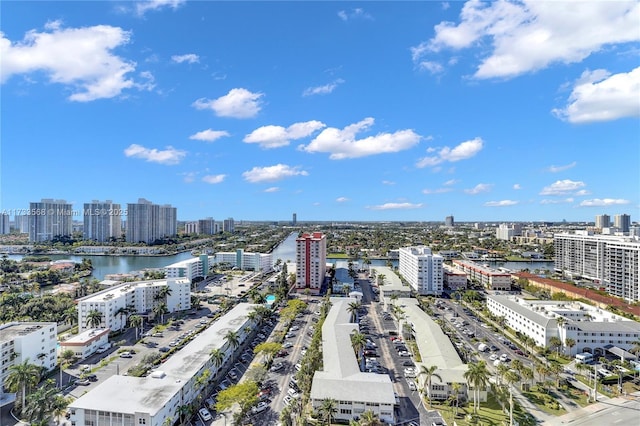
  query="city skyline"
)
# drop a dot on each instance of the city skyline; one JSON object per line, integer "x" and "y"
{"x": 349, "y": 111}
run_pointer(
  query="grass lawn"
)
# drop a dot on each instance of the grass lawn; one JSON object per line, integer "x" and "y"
{"x": 338, "y": 255}
{"x": 489, "y": 414}
{"x": 547, "y": 402}
{"x": 576, "y": 395}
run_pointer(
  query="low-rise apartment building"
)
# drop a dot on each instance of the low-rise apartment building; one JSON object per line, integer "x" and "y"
{"x": 437, "y": 350}
{"x": 198, "y": 267}
{"x": 341, "y": 379}
{"x": 590, "y": 328}
{"x": 489, "y": 278}
{"x": 22, "y": 341}
{"x": 247, "y": 261}
{"x": 454, "y": 279}
{"x": 117, "y": 302}
{"x": 150, "y": 401}
{"x": 86, "y": 343}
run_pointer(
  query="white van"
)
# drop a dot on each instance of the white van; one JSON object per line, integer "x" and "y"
{"x": 584, "y": 358}
{"x": 205, "y": 415}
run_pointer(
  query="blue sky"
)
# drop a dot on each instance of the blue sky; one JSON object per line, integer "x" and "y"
{"x": 375, "y": 111}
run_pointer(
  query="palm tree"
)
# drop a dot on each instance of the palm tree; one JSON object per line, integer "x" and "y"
{"x": 233, "y": 340}
{"x": 136, "y": 321}
{"x": 160, "y": 310}
{"x": 164, "y": 293}
{"x": 328, "y": 409}
{"x": 94, "y": 319}
{"x": 477, "y": 376}
{"x": 43, "y": 403}
{"x": 353, "y": 309}
{"x": 455, "y": 388}
{"x": 569, "y": 343}
{"x": 21, "y": 378}
{"x": 556, "y": 343}
{"x": 65, "y": 359}
{"x": 217, "y": 358}
{"x": 511, "y": 377}
{"x": 122, "y": 311}
{"x": 358, "y": 340}
{"x": 184, "y": 412}
{"x": 429, "y": 372}
{"x": 369, "y": 418}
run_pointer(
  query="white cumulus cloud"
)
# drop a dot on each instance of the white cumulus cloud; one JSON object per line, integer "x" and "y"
{"x": 479, "y": 188}
{"x": 272, "y": 189}
{"x": 80, "y": 58}
{"x": 436, "y": 191}
{"x": 357, "y": 13}
{"x": 601, "y": 96}
{"x": 528, "y": 35}
{"x": 557, "y": 201}
{"x": 501, "y": 203}
{"x": 322, "y": 90}
{"x": 562, "y": 187}
{"x": 342, "y": 143}
{"x": 517, "y": 186}
{"x": 342, "y": 199}
{"x": 604, "y": 202}
{"x": 190, "y": 58}
{"x": 278, "y": 136}
{"x": 272, "y": 173}
{"x": 238, "y": 103}
{"x": 209, "y": 135}
{"x": 213, "y": 179}
{"x": 395, "y": 206}
{"x": 167, "y": 156}
{"x": 463, "y": 151}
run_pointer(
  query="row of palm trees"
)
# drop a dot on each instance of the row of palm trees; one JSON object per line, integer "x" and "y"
{"x": 38, "y": 404}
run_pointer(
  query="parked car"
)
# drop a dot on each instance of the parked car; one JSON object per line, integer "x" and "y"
{"x": 262, "y": 405}
{"x": 205, "y": 415}
{"x": 412, "y": 384}
{"x": 82, "y": 382}
{"x": 126, "y": 355}
{"x": 164, "y": 349}
{"x": 277, "y": 367}
{"x": 92, "y": 378}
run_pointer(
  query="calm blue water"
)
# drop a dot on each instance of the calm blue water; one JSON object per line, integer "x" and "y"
{"x": 285, "y": 251}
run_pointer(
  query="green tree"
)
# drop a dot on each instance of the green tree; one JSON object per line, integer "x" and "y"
{"x": 217, "y": 358}
{"x": 245, "y": 394}
{"x": 65, "y": 359}
{"x": 369, "y": 418}
{"x": 233, "y": 341}
{"x": 160, "y": 310}
{"x": 429, "y": 373}
{"x": 44, "y": 403}
{"x": 268, "y": 349}
{"x": 21, "y": 378}
{"x": 353, "y": 309}
{"x": 94, "y": 319}
{"x": 136, "y": 321}
{"x": 477, "y": 377}
{"x": 358, "y": 341}
{"x": 328, "y": 408}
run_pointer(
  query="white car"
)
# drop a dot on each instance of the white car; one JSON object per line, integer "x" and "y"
{"x": 412, "y": 385}
{"x": 277, "y": 366}
{"x": 263, "y": 405}
{"x": 493, "y": 357}
{"x": 293, "y": 393}
{"x": 205, "y": 415}
{"x": 287, "y": 345}
{"x": 287, "y": 400}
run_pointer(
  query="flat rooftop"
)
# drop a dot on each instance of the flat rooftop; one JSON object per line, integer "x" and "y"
{"x": 118, "y": 289}
{"x": 87, "y": 335}
{"x": 11, "y": 330}
{"x": 342, "y": 379}
{"x": 126, "y": 394}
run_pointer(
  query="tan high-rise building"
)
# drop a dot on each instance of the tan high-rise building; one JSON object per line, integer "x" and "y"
{"x": 102, "y": 221}
{"x": 50, "y": 218}
{"x": 311, "y": 261}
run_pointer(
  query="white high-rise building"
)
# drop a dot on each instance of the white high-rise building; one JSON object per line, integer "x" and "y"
{"x": 311, "y": 261}
{"x": 507, "y": 231}
{"x": 612, "y": 261}
{"x": 50, "y": 218}
{"x": 140, "y": 297}
{"x": 147, "y": 222}
{"x": 422, "y": 269}
{"x": 102, "y": 221}
{"x": 32, "y": 341}
{"x": 21, "y": 223}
